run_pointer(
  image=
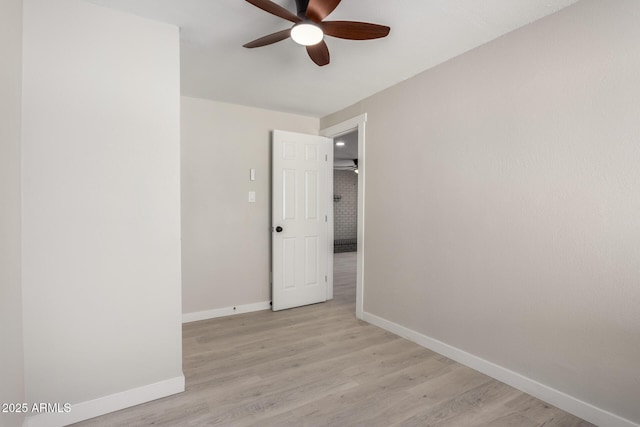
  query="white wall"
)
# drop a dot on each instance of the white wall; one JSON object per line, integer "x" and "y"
{"x": 11, "y": 356}
{"x": 101, "y": 202}
{"x": 225, "y": 239}
{"x": 515, "y": 234}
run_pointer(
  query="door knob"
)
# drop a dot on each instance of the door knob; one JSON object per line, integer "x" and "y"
{"x": 278, "y": 229}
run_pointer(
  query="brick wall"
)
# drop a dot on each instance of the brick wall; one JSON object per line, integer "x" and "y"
{"x": 345, "y": 209}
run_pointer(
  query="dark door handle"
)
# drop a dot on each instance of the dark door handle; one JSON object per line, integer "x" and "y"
{"x": 279, "y": 229}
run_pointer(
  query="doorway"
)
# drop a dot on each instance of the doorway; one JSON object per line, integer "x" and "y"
{"x": 356, "y": 128}
{"x": 345, "y": 193}
{"x": 345, "y": 217}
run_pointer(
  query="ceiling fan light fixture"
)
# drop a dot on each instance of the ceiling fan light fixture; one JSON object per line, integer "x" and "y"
{"x": 306, "y": 34}
{"x": 310, "y": 27}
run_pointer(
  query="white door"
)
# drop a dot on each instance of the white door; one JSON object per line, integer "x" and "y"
{"x": 301, "y": 199}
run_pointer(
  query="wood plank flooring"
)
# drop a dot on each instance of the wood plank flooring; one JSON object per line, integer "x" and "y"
{"x": 319, "y": 366}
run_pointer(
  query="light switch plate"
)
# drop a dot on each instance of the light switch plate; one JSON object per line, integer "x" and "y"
{"x": 252, "y": 196}
{"x": 252, "y": 174}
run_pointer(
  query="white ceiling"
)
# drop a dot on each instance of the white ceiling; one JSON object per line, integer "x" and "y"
{"x": 424, "y": 33}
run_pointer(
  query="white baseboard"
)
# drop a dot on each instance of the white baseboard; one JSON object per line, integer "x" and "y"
{"x": 225, "y": 311}
{"x": 543, "y": 392}
{"x": 104, "y": 405}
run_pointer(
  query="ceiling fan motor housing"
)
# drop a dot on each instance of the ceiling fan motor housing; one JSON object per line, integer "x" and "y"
{"x": 302, "y": 8}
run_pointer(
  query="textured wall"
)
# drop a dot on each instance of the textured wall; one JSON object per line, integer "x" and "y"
{"x": 345, "y": 210}
{"x": 513, "y": 231}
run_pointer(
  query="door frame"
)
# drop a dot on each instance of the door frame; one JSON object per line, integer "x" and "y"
{"x": 359, "y": 123}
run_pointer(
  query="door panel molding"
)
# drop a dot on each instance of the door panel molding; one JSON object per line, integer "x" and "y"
{"x": 302, "y": 198}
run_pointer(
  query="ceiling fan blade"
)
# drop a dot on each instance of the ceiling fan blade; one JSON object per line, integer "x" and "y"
{"x": 319, "y": 53}
{"x": 317, "y": 10}
{"x": 270, "y": 39}
{"x": 275, "y": 9}
{"x": 352, "y": 30}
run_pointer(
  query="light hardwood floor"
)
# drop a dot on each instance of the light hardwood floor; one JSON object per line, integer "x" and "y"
{"x": 319, "y": 366}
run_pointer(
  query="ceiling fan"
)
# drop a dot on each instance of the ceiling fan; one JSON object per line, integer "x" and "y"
{"x": 309, "y": 28}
